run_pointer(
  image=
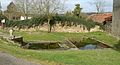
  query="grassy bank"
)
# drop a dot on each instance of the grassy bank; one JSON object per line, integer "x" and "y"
{"x": 67, "y": 57}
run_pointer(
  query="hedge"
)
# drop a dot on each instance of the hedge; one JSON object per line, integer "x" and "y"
{"x": 36, "y": 21}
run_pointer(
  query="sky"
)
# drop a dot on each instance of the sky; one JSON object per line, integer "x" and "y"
{"x": 87, "y": 7}
{"x": 70, "y": 4}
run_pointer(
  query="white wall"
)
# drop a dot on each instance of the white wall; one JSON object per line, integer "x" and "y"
{"x": 24, "y": 17}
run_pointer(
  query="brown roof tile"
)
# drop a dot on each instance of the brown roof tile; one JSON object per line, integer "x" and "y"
{"x": 101, "y": 17}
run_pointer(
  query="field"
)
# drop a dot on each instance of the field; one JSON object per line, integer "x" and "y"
{"x": 66, "y": 57}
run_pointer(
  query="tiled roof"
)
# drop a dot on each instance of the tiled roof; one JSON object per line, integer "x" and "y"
{"x": 101, "y": 17}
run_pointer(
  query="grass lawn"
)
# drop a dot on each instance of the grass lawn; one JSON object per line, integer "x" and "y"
{"x": 79, "y": 57}
{"x": 55, "y": 36}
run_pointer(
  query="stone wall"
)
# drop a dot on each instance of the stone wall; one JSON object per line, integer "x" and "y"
{"x": 59, "y": 28}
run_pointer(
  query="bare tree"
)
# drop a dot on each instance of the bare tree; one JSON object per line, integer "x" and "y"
{"x": 23, "y": 6}
{"x": 51, "y": 7}
{"x": 41, "y": 7}
{"x": 37, "y": 7}
{"x": 99, "y": 5}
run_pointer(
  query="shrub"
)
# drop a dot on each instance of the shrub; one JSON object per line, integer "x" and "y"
{"x": 3, "y": 17}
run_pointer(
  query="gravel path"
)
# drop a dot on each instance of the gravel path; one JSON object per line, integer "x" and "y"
{"x": 6, "y": 59}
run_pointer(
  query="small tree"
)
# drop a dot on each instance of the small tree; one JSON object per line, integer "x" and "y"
{"x": 77, "y": 10}
{"x": 68, "y": 13}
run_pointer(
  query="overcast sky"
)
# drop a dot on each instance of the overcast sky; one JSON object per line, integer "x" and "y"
{"x": 70, "y": 5}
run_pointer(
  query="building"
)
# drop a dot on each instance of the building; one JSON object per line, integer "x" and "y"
{"x": 12, "y": 13}
{"x": 101, "y": 18}
{"x": 104, "y": 18}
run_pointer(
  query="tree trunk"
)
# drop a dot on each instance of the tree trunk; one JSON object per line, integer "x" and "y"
{"x": 49, "y": 26}
{"x": 116, "y": 18}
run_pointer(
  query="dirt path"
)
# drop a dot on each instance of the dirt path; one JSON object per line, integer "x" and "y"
{"x": 6, "y": 59}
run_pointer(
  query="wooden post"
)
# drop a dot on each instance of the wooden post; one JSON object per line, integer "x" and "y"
{"x": 3, "y": 22}
{"x": 116, "y": 18}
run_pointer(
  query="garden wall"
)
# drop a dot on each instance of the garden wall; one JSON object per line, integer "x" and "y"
{"x": 59, "y": 28}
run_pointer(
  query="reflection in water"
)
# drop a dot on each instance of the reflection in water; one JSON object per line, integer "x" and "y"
{"x": 89, "y": 47}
